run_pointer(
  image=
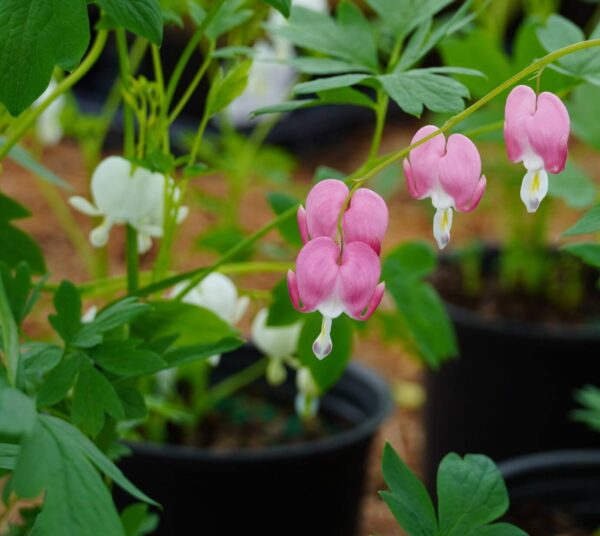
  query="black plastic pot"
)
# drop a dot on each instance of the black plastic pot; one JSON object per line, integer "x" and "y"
{"x": 510, "y": 392}
{"x": 313, "y": 488}
{"x": 550, "y": 482}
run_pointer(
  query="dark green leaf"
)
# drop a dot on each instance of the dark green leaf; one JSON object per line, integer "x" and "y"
{"x": 67, "y": 320}
{"x": 282, "y": 312}
{"x": 38, "y": 359}
{"x": 588, "y": 253}
{"x": 94, "y": 396}
{"x": 500, "y": 529}
{"x": 9, "y": 454}
{"x": 408, "y": 499}
{"x": 328, "y": 371}
{"x": 36, "y": 36}
{"x": 138, "y": 521}
{"x": 18, "y": 247}
{"x": 283, "y": 6}
{"x": 281, "y": 202}
{"x": 310, "y": 65}
{"x": 133, "y": 403}
{"x": 332, "y": 82}
{"x": 589, "y": 223}
{"x": 190, "y": 354}
{"x": 142, "y": 17}
{"x": 471, "y": 493}
{"x": 126, "y": 358}
{"x": 60, "y": 380}
{"x": 11, "y": 210}
{"x": 17, "y": 414}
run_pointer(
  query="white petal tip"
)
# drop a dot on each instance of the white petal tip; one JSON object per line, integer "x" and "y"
{"x": 322, "y": 349}
{"x": 443, "y": 241}
{"x": 214, "y": 360}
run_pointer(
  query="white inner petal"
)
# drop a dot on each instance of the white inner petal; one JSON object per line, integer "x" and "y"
{"x": 442, "y": 223}
{"x": 534, "y": 188}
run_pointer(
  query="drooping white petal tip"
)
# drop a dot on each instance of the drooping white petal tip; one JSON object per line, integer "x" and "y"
{"x": 323, "y": 344}
{"x": 534, "y": 188}
{"x": 306, "y": 406}
{"x": 442, "y": 223}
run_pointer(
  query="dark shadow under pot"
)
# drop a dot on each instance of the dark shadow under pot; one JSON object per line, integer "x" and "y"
{"x": 297, "y": 489}
{"x": 554, "y": 492}
{"x": 511, "y": 390}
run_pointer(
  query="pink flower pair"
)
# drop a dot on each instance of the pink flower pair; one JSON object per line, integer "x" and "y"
{"x": 338, "y": 277}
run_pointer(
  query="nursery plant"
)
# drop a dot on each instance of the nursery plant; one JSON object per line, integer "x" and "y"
{"x": 68, "y": 399}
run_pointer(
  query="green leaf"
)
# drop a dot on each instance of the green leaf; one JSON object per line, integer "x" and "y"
{"x": 11, "y": 210}
{"x": 77, "y": 501}
{"x": 17, "y": 414}
{"x": 412, "y": 90}
{"x": 284, "y": 107}
{"x": 226, "y": 88}
{"x": 184, "y": 355}
{"x": 60, "y": 380}
{"x": 584, "y": 109}
{"x": 408, "y": 499}
{"x": 281, "y": 202}
{"x": 230, "y": 15}
{"x": 133, "y": 403}
{"x": 18, "y": 247}
{"x": 425, "y": 318}
{"x": 9, "y": 454}
{"x": 283, "y": 6}
{"x": 126, "y": 358}
{"x": 471, "y": 493}
{"x": 560, "y": 32}
{"x": 36, "y": 36}
{"x": 38, "y": 360}
{"x": 193, "y": 325}
{"x": 589, "y": 223}
{"x": 142, "y": 17}
{"x": 328, "y": 371}
{"x": 94, "y": 396}
{"x": 574, "y": 187}
{"x": 345, "y": 95}
{"x": 76, "y": 440}
{"x": 67, "y": 320}
{"x": 332, "y": 82}
{"x": 480, "y": 51}
{"x": 403, "y": 16}
{"x": 114, "y": 316}
{"x": 356, "y": 34}
{"x": 222, "y": 238}
{"x": 587, "y": 252}
{"x": 138, "y": 521}
{"x": 311, "y": 65}
{"x": 282, "y": 312}
{"x": 9, "y": 341}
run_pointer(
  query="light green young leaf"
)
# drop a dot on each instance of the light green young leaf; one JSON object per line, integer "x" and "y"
{"x": 228, "y": 87}
{"x": 142, "y": 17}
{"x": 328, "y": 371}
{"x": 416, "y": 89}
{"x": 407, "y": 499}
{"x": 36, "y": 36}
{"x": 126, "y": 358}
{"x": 471, "y": 494}
{"x": 588, "y": 223}
{"x": 587, "y": 252}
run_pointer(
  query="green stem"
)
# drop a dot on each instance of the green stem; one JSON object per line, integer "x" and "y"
{"x": 10, "y": 336}
{"x": 125, "y": 73}
{"x": 380, "y": 116}
{"x": 132, "y": 260}
{"x": 29, "y": 117}
{"x": 234, "y": 383}
{"x": 160, "y": 81}
{"x": 199, "y": 136}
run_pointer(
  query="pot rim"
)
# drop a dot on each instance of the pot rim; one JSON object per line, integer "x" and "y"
{"x": 579, "y": 332}
{"x": 543, "y": 462}
{"x": 361, "y": 431}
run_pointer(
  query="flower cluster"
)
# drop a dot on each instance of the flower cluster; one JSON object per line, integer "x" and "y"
{"x": 536, "y": 131}
{"x": 338, "y": 269}
{"x": 123, "y": 195}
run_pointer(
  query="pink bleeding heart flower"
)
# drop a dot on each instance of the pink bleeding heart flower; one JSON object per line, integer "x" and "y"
{"x": 333, "y": 282}
{"x": 365, "y": 219}
{"x": 536, "y": 131}
{"x": 448, "y": 172}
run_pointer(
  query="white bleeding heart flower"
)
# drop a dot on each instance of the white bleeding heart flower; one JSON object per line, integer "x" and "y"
{"x": 217, "y": 293}
{"x": 90, "y": 315}
{"x": 124, "y": 195}
{"x": 278, "y": 343}
{"x": 270, "y": 82}
{"x": 307, "y": 398}
{"x": 49, "y": 129}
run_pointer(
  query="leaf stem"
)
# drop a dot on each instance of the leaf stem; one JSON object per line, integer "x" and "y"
{"x": 10, "y": 333}
{"x": 132, "y": 260}
{"x": 29, "y": 117}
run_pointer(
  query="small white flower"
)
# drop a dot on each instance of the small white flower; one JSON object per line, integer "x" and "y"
{"x": 123, "y": 197}
{"x": 217, "y": 293}
{"x": 49, "y": 129}
{"x": 278, "y": 343}
{"x": 269, "y": 82}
